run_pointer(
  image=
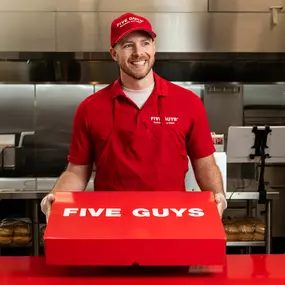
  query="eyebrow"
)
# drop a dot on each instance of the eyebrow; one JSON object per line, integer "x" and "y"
{"x": 126, "y": 41}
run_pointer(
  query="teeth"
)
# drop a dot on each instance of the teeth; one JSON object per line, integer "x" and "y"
{"x": 142, "y": 62}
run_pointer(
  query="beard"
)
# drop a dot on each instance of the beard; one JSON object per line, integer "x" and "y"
{"x": 137, "y": 73}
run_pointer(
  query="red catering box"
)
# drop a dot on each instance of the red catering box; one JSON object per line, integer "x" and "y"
{"x": 126, "y": 228}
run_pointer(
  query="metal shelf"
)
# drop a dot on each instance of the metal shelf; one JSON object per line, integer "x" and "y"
{"x": 39, "y": 194}
{"x": 254, "y": 195}
{"x": 245, "y": 243}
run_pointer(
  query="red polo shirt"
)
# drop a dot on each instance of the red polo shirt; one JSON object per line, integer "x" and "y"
{"x": 184, "y": 113}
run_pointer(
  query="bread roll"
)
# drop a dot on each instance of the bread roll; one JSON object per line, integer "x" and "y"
{"x": 21, "y": 230}
{"x": 6, "y": 231}
{"x": 231, "y": 228}
{"x": 232, "y": 237}
{"x": 5, "y": 239}
{"x": 245, "y": 237}
{"x": 246, "y": 228}
{"x": 260, "y": 228}
{"x": 258, "y": 237}
{"x": 21, "y": 239}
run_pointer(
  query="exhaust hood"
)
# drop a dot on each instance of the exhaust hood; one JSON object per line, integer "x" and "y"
{"x": 182, "y": 26}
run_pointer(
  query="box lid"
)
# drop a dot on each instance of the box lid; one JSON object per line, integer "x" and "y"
{"x": 130, "y": 223}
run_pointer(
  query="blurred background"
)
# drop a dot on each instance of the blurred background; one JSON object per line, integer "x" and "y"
{"x": 55, "y": 53}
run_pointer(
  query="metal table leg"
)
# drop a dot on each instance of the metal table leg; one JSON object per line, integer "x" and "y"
{"x": 249, "y": 208}
{"x": 36, "y": 236}
{"x": 248, "y": 250}
{"x": 268, "y": 236}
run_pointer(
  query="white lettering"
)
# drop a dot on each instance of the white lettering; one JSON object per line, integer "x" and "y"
{"x": 196, "y": 212}
{"x": 113, "y": 212}
{"x": 178, "y": 212}
{"x": 135, "y": 19}
{"x": 168, "y": 120}
{"x": 171, "y": 119}
{"x": 83, "y": 212}
{"x": 129, "y": 20}
{"x": 68, "y": 211}
{"x": 122, "y": 22}
{"x": 141, "y": 212}
{"x": 165, "y": 212}
{"x": 94, "y": 213}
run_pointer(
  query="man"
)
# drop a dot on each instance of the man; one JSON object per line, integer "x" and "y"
{"x": 139, "y": 130}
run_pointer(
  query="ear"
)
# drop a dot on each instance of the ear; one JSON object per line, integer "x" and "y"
{"x": 154, "y": 45}
{"x": 113, "y": 53}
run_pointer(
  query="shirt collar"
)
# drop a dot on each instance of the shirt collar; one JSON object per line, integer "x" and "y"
{"x": 160, "y": 87}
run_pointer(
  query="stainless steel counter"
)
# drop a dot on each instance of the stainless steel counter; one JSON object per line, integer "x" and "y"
{"x": 35, "y": 189}
{"x": 39, "y": 194}
{"x": 30, "y": 184}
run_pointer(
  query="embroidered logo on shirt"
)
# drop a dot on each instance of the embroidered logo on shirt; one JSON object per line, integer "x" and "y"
{"x": 168, "y": 120}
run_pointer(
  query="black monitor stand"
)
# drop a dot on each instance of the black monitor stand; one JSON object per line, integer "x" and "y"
{"x": 259, "y": 147}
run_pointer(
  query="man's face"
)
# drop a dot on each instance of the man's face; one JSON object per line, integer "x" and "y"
{"x": 135, "y": 54}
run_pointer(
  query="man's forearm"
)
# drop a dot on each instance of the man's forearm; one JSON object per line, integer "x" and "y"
{"x": 70, "y": 181}
{"x": 210, "y": 179}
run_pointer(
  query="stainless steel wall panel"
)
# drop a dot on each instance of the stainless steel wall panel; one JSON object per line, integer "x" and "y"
{"x": 133, "y": 6}
{"x": 169, "y": 28}
{"x": 16, "y": 108}
{"x": 245, "y": 32}
{"x": 28, "y": 5}
{"x": 264, "y": 95}
{"x": 16, "y": 117}
{"x": 53, "y": 125}
{"x": 244, "y": 5}
{"x": 181, "y": 26}
{"x": 80, "y": 31}
{"x": 224, "y": 107}
{"x": 31, "y": 31}
{"x": 177, "y": 32}
{"x": 56, "y": 105}
{"x": 84, "y": 31}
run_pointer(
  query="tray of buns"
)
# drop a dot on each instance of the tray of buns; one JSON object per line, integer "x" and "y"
{"x": 15, "y": 231}
{"x": 244, "y": 229}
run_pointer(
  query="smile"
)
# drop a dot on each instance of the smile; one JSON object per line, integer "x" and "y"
{"x": 138, "y": 63}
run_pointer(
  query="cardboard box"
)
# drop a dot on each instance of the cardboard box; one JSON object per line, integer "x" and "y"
{"x": 125, "y": 228}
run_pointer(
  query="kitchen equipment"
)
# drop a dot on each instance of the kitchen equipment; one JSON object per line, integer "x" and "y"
{"x": 13, "y": 156}
{"x": 221, "y": 160}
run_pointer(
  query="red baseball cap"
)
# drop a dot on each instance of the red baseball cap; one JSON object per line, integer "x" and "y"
{"x": 127, "y": 23}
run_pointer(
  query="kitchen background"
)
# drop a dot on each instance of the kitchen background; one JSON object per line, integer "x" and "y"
{"x": 54, "y": 53}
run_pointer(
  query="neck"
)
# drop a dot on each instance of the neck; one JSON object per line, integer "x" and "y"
{"x": 136, "y": 84}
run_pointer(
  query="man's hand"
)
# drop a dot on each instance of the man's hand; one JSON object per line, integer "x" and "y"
{"x": 75, "y": 178}
{"x": 221, "y": 203}
{"x": 46, "y": 205}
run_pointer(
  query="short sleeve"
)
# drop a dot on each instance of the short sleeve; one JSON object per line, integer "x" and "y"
{"x": 81, "y": 149}
{"x": 199, "y": 141}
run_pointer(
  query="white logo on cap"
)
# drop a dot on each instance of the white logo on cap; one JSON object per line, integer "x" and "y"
{"x": 129, "y": 20}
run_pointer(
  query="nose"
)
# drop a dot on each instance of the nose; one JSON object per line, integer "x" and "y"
{"x": 138, "y": 49}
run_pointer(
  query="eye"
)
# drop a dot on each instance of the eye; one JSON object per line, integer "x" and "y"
{"x": 146, "y": 43}
{"x": 127, "y": 45}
